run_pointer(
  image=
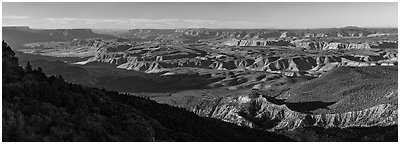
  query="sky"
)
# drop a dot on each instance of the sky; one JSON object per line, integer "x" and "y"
{"x": 199, "y": 15}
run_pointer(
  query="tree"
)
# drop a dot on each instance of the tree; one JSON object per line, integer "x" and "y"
{"x": 28, "y": 67}
{"x": 40, "y": 69}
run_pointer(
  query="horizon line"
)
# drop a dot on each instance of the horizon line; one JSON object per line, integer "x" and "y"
{"x": 201, "y": 28}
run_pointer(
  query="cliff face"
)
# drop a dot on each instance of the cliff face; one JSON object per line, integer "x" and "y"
{"x": 260, "y": 113}
{"x": 309, "y": 44}
{"x": 256, "y": 42}
{"x": 384, "y": 44}
{"x": 312, "y": 45}
{"x": 147, "y": 60}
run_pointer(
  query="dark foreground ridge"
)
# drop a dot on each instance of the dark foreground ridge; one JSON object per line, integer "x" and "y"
{"x": 41, "y": 108}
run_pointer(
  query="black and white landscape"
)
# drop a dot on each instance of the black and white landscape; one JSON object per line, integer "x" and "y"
{"x": 72, "y": 75}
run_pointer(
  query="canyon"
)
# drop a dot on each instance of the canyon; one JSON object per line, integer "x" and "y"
{"x": 307, "y": 84}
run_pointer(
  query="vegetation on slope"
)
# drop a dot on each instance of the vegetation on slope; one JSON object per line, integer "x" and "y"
{"x": 352, "y": 88}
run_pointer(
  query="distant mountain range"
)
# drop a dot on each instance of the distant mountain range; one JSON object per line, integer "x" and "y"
{"x": 20, "y": 35}
{"x": 24, "y": 34}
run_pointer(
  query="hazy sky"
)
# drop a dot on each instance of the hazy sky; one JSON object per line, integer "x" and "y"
{"x": 207, "y": 15}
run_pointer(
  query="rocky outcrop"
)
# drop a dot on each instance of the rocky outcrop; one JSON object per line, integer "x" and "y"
{"x": 157, "y": 59}
{"x": 385, "y": 44}
{"x": 380, "y": 115}
{"x": 255, "y": 42}
{"x": 328, "y": 45}
{"x": 307, "y": 44}
{"x": 144, "y": 66}
{"x": 259, "y": 112}
{"x": 156, "y": 56}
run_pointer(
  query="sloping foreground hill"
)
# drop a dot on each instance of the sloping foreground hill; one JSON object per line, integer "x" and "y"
{"x": 41, "y": 108}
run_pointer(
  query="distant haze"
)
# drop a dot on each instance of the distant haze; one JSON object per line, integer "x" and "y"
{"x": 199, "y": 15}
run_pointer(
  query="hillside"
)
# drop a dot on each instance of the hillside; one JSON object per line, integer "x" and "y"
{"x": 41, "y": 108}
{"x": 350, "y": 88}
{"x": 345, "y": 104}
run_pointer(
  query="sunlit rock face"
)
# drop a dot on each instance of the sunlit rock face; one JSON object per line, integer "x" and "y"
{"x": 243, "y": 110}
{"x": 153, "y": 58}
{"x": 256, "y": 42}
{"x": 313, "y": 45}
